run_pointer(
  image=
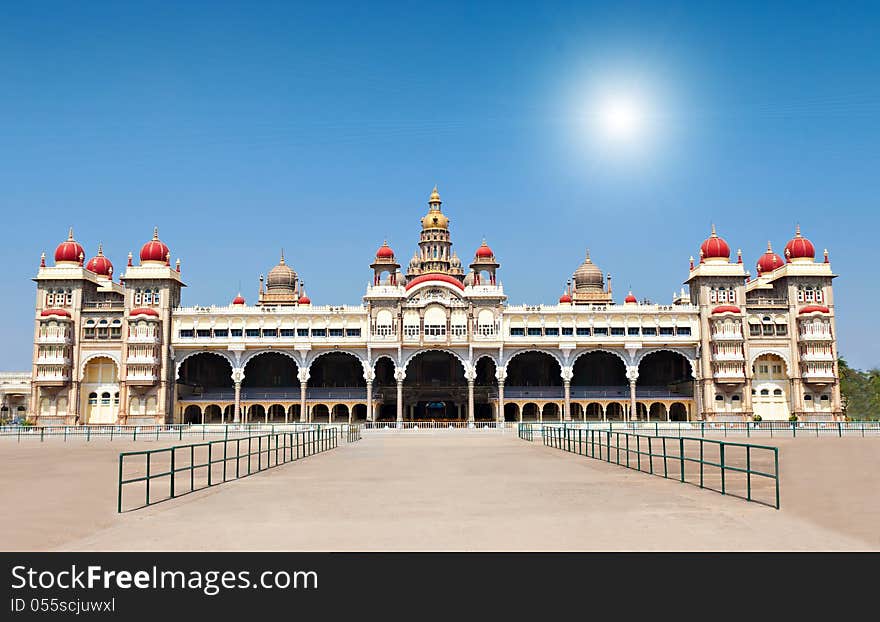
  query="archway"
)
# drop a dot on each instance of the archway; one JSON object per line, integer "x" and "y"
{"x": 594, "y": 411}
{"x": 665, "y": 373}
{"x": 359, "y": 412}
{"x": 320, "y": 413}
{"x": 339, "y": 413}
{"x": 229, "y": 414}
{"x": 385, "y": 387}
{"x": 658, "y": 412}
{"x": 435, "y": 387}
{"x": 276, "y": 413}
{"x": 641, "y": 412}
{"x": 485, "y": 389}
{"x": 256, "y": 413}
{"x": 511, "y": 412}
{"x": 614, "y": 412}
{"x": 577, "y": 413}
{"x": 337, "y": 370}
{"x": 550, "y": 412}
{"x": 192, "y": 414}
{"x": 530, "y": 412}
{"x": 213, "y": 413}
{"x": 270, "y": 375}
{"x": 678, "y": 412}
{"x": 205, "y": 376}
{"x": 597, "y": 373}
{"x": 100, "y": 389}
{"x": 532, "y": 369}
{"x": 770, "y": 388}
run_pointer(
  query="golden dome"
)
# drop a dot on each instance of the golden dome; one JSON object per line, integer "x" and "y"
{"x": 435, "y": 219}
{"x": 281, "y": 277}
{"x": 588, "y": 275}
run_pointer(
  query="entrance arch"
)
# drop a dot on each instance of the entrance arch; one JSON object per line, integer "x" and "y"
{"x": 667, "y": 372}
{"x": 435, "y": 387}
{"x": 770, "y": 388}
{"x": 192, "y": 414}
{"x": 100, "y": 390}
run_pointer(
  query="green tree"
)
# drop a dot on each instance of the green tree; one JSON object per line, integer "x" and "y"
{"x": 860, "y": 391}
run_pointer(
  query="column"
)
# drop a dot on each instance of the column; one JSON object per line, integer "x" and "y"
{"x": 747, "y": 397}
{"x": 633, "y": 413}
{"x": 369, "y": 400}
{"x": 400, "y": 400}
{"x": 501, "y": 400}
{"x": 566, "y": 414}
{"x": 470, "y": 400}
{"x": 237, "y": 413}
{"x": 304, "y": 415}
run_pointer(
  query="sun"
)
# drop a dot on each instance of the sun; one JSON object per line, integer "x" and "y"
{"x": 620, "y": 118}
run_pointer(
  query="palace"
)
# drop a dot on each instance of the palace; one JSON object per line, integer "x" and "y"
{"x": 434, "y": 341}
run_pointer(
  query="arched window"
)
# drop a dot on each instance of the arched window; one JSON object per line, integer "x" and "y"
{"x": 765, "y": 392}
{"x": 93, "y": 399}
{"x": 105, "y": 399}
{"x": 777, "y": 392}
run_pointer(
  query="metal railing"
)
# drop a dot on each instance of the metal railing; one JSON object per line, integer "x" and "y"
{"x": 646, "y": 454}
{"x": 216, "y": 462}
{"x": 772, "y": 429}
{"x": 353, "y": 434}
{"x": 449, "y": 424}
{"x": 177, "y": 431}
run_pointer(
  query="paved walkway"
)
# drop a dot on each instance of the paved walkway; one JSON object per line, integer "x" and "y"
{"x": 445, "y": 491}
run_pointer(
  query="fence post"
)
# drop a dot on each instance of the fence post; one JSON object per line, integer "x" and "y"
{"x": 65, "y": 434}
{"x": 839, "y": 430}
{"x": 748, "y": 472}
{"x": 88, "y": 433}
{"x": 210, "y": 466}
{"x": 172, "y": 472}
{"x": 723, "y": 489}
{"x": 148, "y": 479}
{"x": 192, "y": 467}
{"x": 776, "y": 463}
{"x": 42, "y": 432}
{"x": 681, "y": 456}
{"x": 119, "y": 487}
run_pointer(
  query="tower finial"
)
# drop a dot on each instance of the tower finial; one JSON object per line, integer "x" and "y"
{"x": 282, "y": 257}
{"x": 155, "y": 233}
{"x": 769, "y": 248}
{"x": 435, "y": 196}
{"x": 70, "y": 234}
{"x": 714, "y": 235}
{"x": 797, "y": 230}
{"x": 43, "y": 260}
{"x": 588, "y": 255}
{"x": 100, "y": 249}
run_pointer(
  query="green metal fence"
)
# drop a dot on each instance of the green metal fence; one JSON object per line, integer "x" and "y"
{"x": 671, "y": 457}
{"x": 202, "y": 465}
{"x": 354, "y": 433}
{"x": 772, "y": 429}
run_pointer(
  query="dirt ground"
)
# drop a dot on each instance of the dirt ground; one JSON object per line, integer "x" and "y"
{"x": 462, "y": 490}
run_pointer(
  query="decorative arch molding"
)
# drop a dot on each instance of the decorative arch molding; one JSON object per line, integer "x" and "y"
{"x": 753, "y": 356}
{"x": 310, "y": 360}
{"x": 574, "y": 356}
{"x": 485, "y": 355}
{"x": 512, "y": 356}
{"x": 255, "y": 353}
{"x": 97, "y": 355}
{"x": 684, "y": 353}
{"x": 376, "y": 359}
{"x": 178, "y": 360}
{"x": 464, "y": 363}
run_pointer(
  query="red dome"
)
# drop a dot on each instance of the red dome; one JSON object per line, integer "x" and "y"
{"x": 769, "y": 261}
{"x": 434, "y": 277}
{"x": 484, "y": 251}
{"x": 385, "y": 252}
{"x": 799, "y": 247}
{"x": 815, "y": 309}
{"x": 305, "y": 300}
{"x": 100, "y": 264}
{"x": 714, "y": 247}
{"x": 155, "y": 250}
{"x": 726, "y": 309}
{"x": 144, "y": 311}
{"x": 50, "y": 312}
{"x": 630, "y": 299}
{"x": 565, "y": 298}
{"x": 69, "y": 251}
{"x": 238, "y": 300}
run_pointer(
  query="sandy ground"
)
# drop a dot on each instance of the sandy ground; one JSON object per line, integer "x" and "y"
{"x": 462, "y": 490}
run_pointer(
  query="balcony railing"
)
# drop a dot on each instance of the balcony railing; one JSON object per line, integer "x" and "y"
{"x": 285, "y": 394}
{"x": 104, "y": 305}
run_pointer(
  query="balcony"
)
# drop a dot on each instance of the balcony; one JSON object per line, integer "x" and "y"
{"x": 722, "y": 336}
{"x": 103, "y": 305}
{"x": 141, "y": 377}
{"x": 817, "y": 356}
{"x": 53, "y": 359}
{"x": 728, "y": 356}
{"x": 141, "y": 338}
{"x": 818, "y": 336}
{"x": 54, "y": 338}
{"x": 818, "y": 376}
{"x": 729, "y": 375}
{"x": 142, "y": 359}
{"x": 53, "y": 376}
{"x": 765, "y": 302}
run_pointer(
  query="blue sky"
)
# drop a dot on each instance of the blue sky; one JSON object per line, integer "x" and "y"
{"x": 242, "y": 128}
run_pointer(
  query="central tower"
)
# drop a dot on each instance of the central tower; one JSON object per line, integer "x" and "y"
{"x": 435, "y": 244}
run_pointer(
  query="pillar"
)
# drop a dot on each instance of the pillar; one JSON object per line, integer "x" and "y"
{"x": 501, "y": 400}
{"x": 400, "y": 400}
{"x": 632, "y": 400}
{"x": 304, "y": 415}
{"x": 470, "y": 400}
{"x": 566, "y": 415}
{"x": 237, "y": 414}
{"x": 369, "y": 400}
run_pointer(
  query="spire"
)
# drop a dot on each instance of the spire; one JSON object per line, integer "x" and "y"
{"x": 739, "y": 255}
{"x": 43, "y": 260}
{"x": 797, "y": 230}
{"x": 100, "y": 250}
{"x": 588, "y": 256}
{"x": 177, "y": 264}
{"x": 769, "y": 248}
{"x": 435, "y": 197}
{"x": 282, "y": 258}
{"x": 155, "y": 233}
{"x": 129, "y": 259}
{"x": 70, "y": 234}
{"x": 714, "y": 234}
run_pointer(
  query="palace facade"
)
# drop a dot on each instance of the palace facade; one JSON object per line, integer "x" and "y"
{"x": 434, "y": 339}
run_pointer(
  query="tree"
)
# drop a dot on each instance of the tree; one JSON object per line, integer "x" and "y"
{"x": 860, "y": 391}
